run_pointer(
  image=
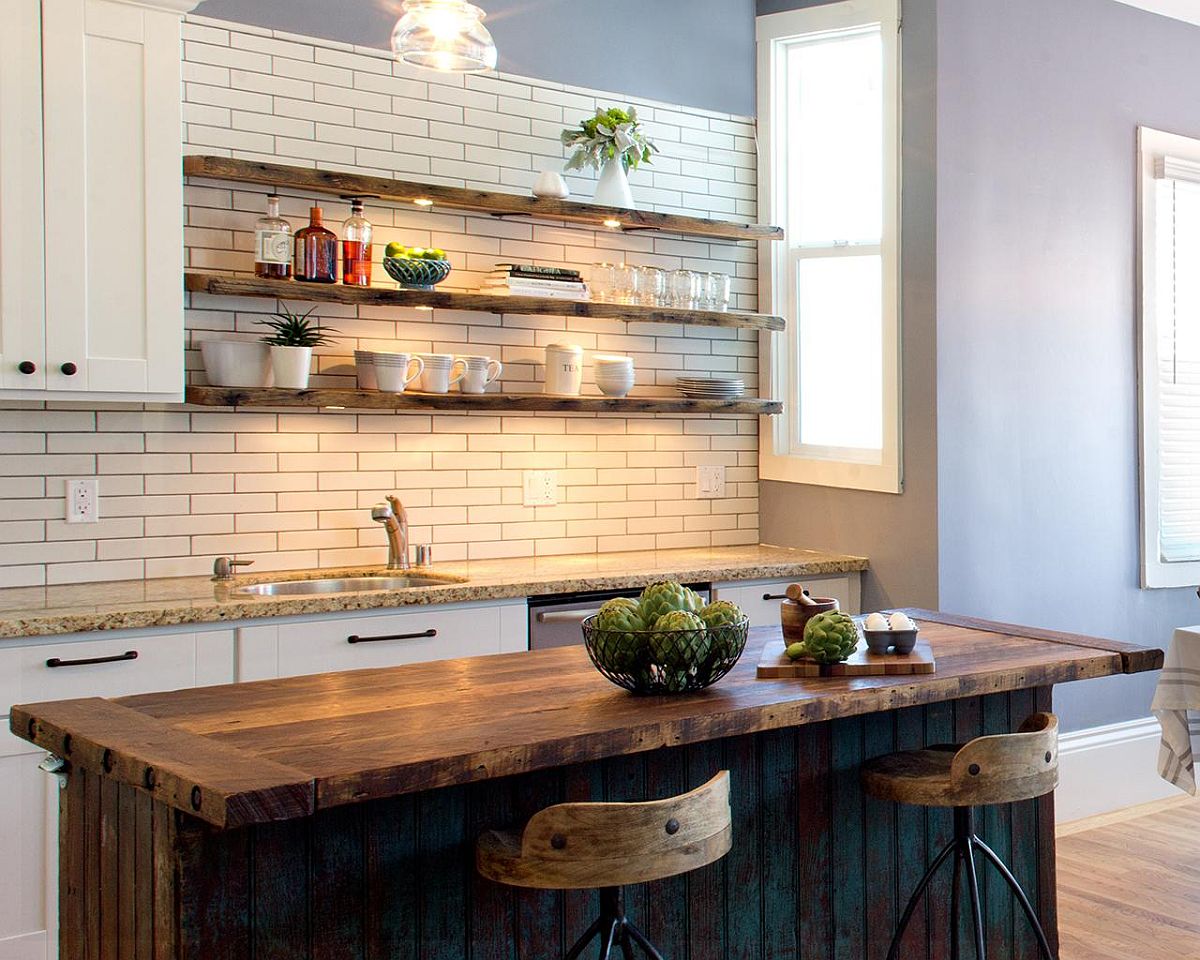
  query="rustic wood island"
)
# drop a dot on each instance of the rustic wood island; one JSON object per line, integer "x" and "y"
{"x": 334, "y": 816}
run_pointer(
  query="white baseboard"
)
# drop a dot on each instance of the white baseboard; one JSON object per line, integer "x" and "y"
{"x": 1109, "y": 768}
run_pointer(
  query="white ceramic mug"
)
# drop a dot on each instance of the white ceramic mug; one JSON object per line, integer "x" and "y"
{"x": 395, "y": 371}
{"x": 439, "y": 375}
{"x": 564, "y": 369}
{"x": 480, "y": 371}
{"x": 364, "y": 368}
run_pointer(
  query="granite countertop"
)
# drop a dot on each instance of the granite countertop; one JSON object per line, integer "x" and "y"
{"x": 134, "y": 604}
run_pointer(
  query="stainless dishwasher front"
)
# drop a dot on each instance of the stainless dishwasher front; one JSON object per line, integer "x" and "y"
{"x": 554, "y": 620}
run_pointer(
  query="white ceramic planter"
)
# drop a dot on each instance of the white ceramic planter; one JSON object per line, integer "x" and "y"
{"x": 612, "y": 189}
{"x": 236, "y": 363}
{"x": 291, "y": 366}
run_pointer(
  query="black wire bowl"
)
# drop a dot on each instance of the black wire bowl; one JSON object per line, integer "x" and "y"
{"x": 665, "y": 661}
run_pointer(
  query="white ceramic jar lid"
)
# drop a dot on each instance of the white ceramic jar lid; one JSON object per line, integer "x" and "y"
{"x": 564, "y": 348}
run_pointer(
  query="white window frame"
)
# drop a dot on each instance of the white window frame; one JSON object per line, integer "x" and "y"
{"x": 1154, "y": 146}
{"x": 779, "y": 457}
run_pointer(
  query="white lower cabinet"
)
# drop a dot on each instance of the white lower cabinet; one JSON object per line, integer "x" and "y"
{"x": 385, "y": 639}
{"x": 85, "y": 665}
{"x": 760, "y": 599}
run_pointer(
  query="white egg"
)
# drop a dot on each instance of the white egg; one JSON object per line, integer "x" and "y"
{"x": 900, "y": 621}
{"x": 877, "y": 621}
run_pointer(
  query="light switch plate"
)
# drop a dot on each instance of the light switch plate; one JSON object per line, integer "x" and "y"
{"x": 83, "y": 500}
{"x": 541, "y": 488}
{"x": 710, "y": 482}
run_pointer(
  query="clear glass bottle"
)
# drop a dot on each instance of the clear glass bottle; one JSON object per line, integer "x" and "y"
{"x": 273, "y": 244}
{"x": 316, "y": 251}
{"x": 356, "y": 247}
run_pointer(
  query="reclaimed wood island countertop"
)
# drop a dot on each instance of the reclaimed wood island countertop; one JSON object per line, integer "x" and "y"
{"x": 283, "y": 749}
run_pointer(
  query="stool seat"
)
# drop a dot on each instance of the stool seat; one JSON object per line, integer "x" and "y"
{"x": 589, "y": 845}
{"x": 997, "y": 769}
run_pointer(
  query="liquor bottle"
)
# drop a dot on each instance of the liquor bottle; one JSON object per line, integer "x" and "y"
{"x": 273, "y": 244}
{"x": 356, "y": 247}
{"x": 316, "y": 251}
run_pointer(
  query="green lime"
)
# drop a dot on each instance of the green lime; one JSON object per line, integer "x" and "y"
{"x": 394, "y": 249}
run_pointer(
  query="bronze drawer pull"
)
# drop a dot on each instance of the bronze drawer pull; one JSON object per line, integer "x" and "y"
{"x": 355, "y": 638}
{"x": 88, "y": 661}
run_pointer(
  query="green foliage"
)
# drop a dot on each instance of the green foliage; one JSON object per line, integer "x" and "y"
{"x": 610, "y": 133}
{"x": 293, "y": 330}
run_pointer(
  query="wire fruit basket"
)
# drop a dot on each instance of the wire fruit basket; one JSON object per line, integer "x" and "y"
{"x": 416, "y": 274}
{"x": 665, "y": 661}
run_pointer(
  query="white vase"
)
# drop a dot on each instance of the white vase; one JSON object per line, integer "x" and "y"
{"x": 291, "y": 366}
{"x": 612, "y": 189}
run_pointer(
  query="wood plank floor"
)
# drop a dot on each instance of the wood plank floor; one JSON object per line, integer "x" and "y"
{"x": 1129, "y": 886}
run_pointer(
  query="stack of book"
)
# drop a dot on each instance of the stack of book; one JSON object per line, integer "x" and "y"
{"x": 527, "y": 280}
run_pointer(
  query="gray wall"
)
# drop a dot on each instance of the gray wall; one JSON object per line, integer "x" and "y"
{"x": 897, "y": 533}
{"x": 1038, "y": 106}
{"x": 694, "y": 52}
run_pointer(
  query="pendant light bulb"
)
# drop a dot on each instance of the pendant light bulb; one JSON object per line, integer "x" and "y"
{"x": 444, "y": 35}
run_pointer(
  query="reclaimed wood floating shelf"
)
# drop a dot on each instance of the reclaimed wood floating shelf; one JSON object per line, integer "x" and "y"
{"x": 508, "y": 402}
{"x": 433, "y": 197}
{"x": 228, "y": 286}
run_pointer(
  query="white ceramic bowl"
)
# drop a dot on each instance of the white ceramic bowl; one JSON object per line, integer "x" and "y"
{"x": 236, "y": 363}
{"x": 615, "y": 388}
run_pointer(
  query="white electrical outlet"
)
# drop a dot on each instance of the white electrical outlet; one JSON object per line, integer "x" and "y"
{"x": 710, "y": 482}
{"x": 83, "y": 501}
{"x": 541, "y": 488}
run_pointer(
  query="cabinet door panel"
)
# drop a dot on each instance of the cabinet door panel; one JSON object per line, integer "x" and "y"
{"x": 28, "y": 798}
{"x": 113, "y": 197}
{"x": 22, "y": 298}
{"x": 760, "y": 601}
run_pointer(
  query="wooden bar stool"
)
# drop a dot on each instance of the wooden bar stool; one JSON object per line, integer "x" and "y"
{"x": 988, "y": 770}
{"x": 574, "y": 846}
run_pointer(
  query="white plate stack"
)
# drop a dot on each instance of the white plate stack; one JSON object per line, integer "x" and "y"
{"x": 711, "y": 388}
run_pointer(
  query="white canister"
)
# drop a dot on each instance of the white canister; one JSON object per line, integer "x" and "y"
{"x": 564, "y": 369}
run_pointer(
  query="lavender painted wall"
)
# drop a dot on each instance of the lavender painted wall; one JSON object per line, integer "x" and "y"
{"x": 898, "y": 533}
{"x": 1038, "y": 105}
{"x": 694, "y": 52}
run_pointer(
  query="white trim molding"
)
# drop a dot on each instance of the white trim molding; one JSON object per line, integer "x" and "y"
{"x": 1185, "y": 10}
{"x": 1106, "y": 769}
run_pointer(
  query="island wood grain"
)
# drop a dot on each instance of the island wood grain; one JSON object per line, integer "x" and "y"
{"x": 378, "y": 733}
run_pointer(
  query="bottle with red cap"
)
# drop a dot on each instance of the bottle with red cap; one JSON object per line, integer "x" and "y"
{"x": 316, "y": 251}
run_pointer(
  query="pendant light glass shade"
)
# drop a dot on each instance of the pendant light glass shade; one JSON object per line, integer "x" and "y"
{"x": 446, "y": 35}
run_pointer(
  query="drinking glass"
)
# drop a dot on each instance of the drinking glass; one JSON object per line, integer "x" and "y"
{"x": 716, "y": 291}
{"x": 604, "y": 280}
{"x": 626, "y": 284}
{"x": 652, "y": 285}
{"x": 684, "y": 290}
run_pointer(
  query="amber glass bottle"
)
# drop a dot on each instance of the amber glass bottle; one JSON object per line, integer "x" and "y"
{"x": 316, "y": 251}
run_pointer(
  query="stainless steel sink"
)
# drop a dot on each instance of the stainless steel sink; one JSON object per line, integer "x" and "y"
{"x": 294, "y": 588}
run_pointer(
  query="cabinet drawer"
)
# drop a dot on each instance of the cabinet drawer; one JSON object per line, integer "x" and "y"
{"x": 760, "y": 600}
{"x": 354, "y": 643}
{"x": 165, "y": 662}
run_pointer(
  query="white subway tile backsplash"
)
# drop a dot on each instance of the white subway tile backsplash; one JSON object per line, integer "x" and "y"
{"x": 294, "y": 488}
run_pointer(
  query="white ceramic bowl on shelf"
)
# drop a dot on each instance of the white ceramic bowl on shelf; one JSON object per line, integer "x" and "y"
{"x": 236, "y": 363}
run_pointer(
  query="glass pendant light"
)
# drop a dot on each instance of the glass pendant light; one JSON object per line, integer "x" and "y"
{"x": 446, "y": 35}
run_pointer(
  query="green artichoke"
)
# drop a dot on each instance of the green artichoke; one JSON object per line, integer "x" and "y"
{"x": 666, "y": 596}
{"x": 680, "y": 640}
{"x": 830, "y": 637}
{"x": 721, "y": 613}
{"x": 619, "y": 641}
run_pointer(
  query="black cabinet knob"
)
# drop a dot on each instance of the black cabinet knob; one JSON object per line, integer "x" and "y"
{"x": 69, "y": 369}
{"x": 27, "y": 367}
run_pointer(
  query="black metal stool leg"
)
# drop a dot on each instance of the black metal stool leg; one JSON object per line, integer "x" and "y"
{"x": 894, "y": 951}
{"x": 607, "y": 938}
{"x": 1022, "y": 898}
{"x": 976, "y": 904}
{"x": 575, "y": 951}
{"x": 626, "y": 942}
{"x": 642, "y": 942}
{"x": 955, "y": 887}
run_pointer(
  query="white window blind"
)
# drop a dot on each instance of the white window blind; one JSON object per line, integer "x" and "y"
{"x": 1177, "y": 295}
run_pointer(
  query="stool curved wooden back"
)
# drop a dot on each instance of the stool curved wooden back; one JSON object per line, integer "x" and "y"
{"x": 590, "y": 845}
{"x": 1003, "y": 768}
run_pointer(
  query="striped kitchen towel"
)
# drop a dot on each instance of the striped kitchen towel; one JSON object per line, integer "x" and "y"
{"x": 1176, "y": 704}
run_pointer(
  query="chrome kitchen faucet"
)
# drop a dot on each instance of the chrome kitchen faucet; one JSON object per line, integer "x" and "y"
{"x": 395, "y": 521}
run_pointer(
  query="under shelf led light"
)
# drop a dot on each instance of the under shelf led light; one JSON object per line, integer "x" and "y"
{"x": 445, "y": 35}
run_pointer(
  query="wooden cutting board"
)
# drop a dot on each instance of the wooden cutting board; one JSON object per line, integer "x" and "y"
{"x": 776, "y": 665}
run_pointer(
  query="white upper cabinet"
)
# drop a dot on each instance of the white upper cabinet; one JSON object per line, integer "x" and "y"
{"x": 107, "y": 321}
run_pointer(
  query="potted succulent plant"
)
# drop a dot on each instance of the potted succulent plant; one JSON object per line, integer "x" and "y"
{"x": 614, "y": 143}
{"x": 291, "y": 346}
